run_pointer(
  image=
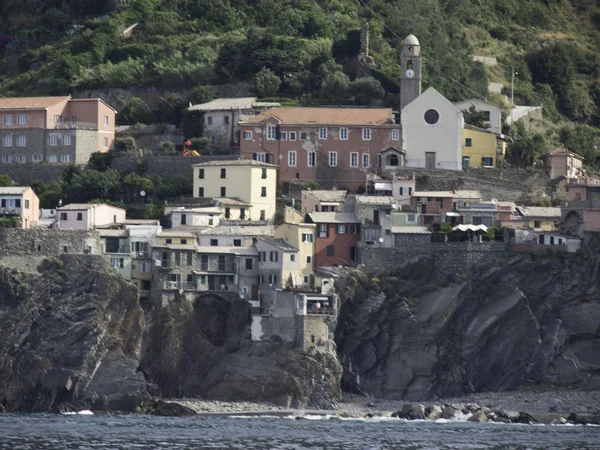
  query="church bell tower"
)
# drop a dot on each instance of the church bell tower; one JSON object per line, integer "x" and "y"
{"x": 410, "y": 78}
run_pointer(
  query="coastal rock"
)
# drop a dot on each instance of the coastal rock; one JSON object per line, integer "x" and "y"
{"x": 434, "y": 412}
{"x": 172, "y": 409}
{"x": 449, "y": 412}
{"x": 478, "y": 416}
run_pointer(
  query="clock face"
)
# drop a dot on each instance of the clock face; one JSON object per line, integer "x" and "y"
{"x": 409, "y": 73}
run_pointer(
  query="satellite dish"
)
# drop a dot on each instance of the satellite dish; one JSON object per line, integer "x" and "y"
{"x": 242, "y": 296}
{"x": 381, "y": 240}
{"x": 142, "y": 193}
{"x": 395, "y": 206}
{"x": 495, "y": 201}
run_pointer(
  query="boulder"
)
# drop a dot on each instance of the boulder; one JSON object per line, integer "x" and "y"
{"x": 172, "y": 409}
{"x": 434, "y": 412}
{"x": 478, "y": 416}
{"x": 448, "y": 412}
{"x": 411, "y": 411}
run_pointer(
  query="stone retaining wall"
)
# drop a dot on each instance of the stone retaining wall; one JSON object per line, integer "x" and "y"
{"x": 47, "y": 242}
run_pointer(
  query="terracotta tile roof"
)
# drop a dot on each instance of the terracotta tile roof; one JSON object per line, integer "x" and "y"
{"x": 328, "y": 116}
{"x": 30, "y": 102}
{"x": 563, "y": 151}
{"x": 234, "y": 162}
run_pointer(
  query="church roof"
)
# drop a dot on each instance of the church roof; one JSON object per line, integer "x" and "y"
{"x": 427, "y": 93}
{"x": 411, "y": 39}
{"x": 327, "y": 116}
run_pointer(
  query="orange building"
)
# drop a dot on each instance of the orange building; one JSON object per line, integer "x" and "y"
{"x": 337, "y": 238}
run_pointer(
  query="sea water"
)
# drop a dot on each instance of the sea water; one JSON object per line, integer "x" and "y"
{"x": 116, "y": 432}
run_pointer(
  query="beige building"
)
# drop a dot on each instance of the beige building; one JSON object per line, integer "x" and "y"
{"x": 323, "y": 201}
{"x": 54, "y": 129}
{"x": 245, "y": 180}
{"x": 20, "y": 203}
{"x": 87, "y": 216}
{"x": 301, "y": 236}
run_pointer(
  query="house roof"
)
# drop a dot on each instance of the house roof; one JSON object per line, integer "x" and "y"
{"x": 85, "y": 206}
{"x": 327, "y": 116}
{"x": 31, "y": 102}
{"x": 375, "y": 199}
{"x": 176, "y": 233}
{"x": 233, "y": 162}
{"x": 92, "y": 100}
{"x": 561, "y": 151}
{"x": 141, "y": 222}
{"x": 410, "y": 230}
{"x": 461, "y": 194}
{"x": 483, "y": 130}
{"x": 333, "y": 217}
{"x": 13, "y": 190}
{"x": 231, "y": 201}
{"x": 226, "y": 104}
{"x": 327, "y": 196}
{"x": 280, "y": 244}
{"x": 240, "y": 230}
{"x": 112, "y": 233}
{"x": 541, "y": 212}
{"x": 200, "y": 210}
{"x": 247, "y": 251}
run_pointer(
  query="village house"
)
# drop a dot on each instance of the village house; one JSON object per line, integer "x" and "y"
{"x": 87, "y": 216}
{"x": 207, "y": 216}
{"x": 482, "y": 148}
{"x": 581, "y": 211}
{"x": 323, "y": 201}
{"x": 56, "y": 130}
{"x": 278, "y": 268}
{"x": 21, "y": 204}
{"x": 221, "y": 118}
{"x": 538, "y": 218}
{"x": 244, "y": 188}
{"x": 436, "y": 207}
{"x": 492, "y": 113}
{"x": 528, "y": 240}
{"x": 396, "y": 186}
{"x": 332, "y": 146}
{"x": 337, "y": 238}
{"x": 566, "y": 167}
{"x": 480, "y": 213}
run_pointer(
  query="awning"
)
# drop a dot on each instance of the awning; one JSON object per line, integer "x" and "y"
{"x": 470, "y": 228}
{"x": 452, "y": 214}
{"x": 383, "y": 186}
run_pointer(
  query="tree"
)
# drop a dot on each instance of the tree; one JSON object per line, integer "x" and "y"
{"x": 366, "y": 90}
{"x": 583, "y": 140}
{"x": 167, "y": 147}
{"x": 134, "y": 111}
{"x": 527, "y": 147}
{"x": 334, "y": 87}
{"x": 5, "y": 180}
{"x": 201, "y": 145}
{"x": 125, "y": 144}
{"x": 266, "y": 83}
{"x": 475, "y": 118}
{"x": 203, "y": 94}
{"x": 192, "y": 123}
{"x": 100, "y": 161}
{"x": 91, "y": 184}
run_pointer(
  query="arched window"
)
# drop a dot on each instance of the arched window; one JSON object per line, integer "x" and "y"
{"x": 393, "y": 160}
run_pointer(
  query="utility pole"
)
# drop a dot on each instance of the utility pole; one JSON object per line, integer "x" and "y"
{"x": 512, "y": 95}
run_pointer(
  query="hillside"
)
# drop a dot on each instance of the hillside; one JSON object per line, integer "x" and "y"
{"x": 305, "y": 51}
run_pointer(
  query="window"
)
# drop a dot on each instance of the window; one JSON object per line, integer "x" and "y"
{"x": 263, "y": 214}
{"x": 431, "y": 116}
{"x": 26, "y": 204}
{"x": 332, "y": 159}
{"x": 183, "y": 219}
{"x": 312, "y": 159}
{"x": 209, "y": 120}
{"x": 412, "y": 218}
{"x": 487, "y": 161}
{"x": 274, "y": 256}
{"x": 308, "y": 259}
{"x": 8, "y": 141}
{"x": 168, "y": 241}
{"x": 273, "y": 279}
{"x": 65, "y": 158}
{"x": 204, "y": 262}
{"x": 67, "y": 139}
{"x": 226, "y": 120}
{"x": 223, "y": 191}
{"x": 214, "y": 242}
{"x": 261, "y": 157}
{"x": 341, "y": 229}
{"x": 366, "y": 160}
{"x": 22, "y": 119}
{"x": 264, "y": 174}
{"x": 330, "y": 250}
{"x": 307, "y": 237}
{"x": 200, "y": 192}
{"x": 322, "y": 133}
{"x": 21, "y": 158}
{"x": 36, "y": 158}
{"x": 105, "y": 142}
{"x": 190, "y": 258}
{"x": 262, "y": 256}
{"x": 366, "y": 134}
{"x": 105, "y": 121}
{"x": 344, "y": 134}
{"x": 292, "y": 258}
{"x": 80, "y": 216}
{"x": 73, "y": 120}
{"x": 354, "y": 229}
{"x": 117, "y": 263}
{"x": 292, "y": 135}
{"x": 468, "y": 142}
{"x": 271, "y": 132}
{"x": 292, "y": 159}
{"x": 223, "y": 173}
{"x": 323, "y": 230}
{"x": 283, "y": 136}
{"x": 144, "y": 266}
{"x": 353, "y": 159}
{"x": 6, "y": 159}
{"x": 485, "y": 115}
{"x": 303, "y": 135}
{"x": 221, "y": 262}
{"x": 242, "y": 213}
{"x": 53, "y": 140}
{"x": 537, "y": 224}
{"x": 201, "y": 173}
{"x": 227, "y": 213}
{"x": 8, "y": 119}
{"x": 249, "y": 263}
{"x": 63, "y": 216}
{"x": 395, "y": 135}
{"x": 237, "y": 242}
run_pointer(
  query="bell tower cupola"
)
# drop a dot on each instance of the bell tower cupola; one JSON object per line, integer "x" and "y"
{"x": 410, "y": 77}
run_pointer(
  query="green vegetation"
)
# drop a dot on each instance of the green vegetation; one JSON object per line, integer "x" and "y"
{"x": 304, "y": 50}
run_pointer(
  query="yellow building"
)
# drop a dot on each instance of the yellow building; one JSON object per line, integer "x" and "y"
{"x": 481, "y": 148}
{"x": 302, "y": 236}
{"x": 252, "y": 182}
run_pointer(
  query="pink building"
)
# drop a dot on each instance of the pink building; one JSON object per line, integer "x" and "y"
{"x": 21, "y": 203}
{"x": 54, "y": 129}
{"x": 332, "y": 146}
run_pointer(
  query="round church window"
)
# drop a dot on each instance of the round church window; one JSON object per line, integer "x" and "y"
{"x": 432, "y": 116}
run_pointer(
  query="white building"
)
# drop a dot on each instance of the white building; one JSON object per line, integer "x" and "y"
{"x": 493, "y": 112}
{"x": 432, "y": 130}
{"x": 198, "y": 217}
{"x": 87, "y": 216}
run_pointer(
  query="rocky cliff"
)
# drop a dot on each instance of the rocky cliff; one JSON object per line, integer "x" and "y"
{"x": 531, "y": 320}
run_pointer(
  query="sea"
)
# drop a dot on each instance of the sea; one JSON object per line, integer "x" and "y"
{"x": 135, "y": 432}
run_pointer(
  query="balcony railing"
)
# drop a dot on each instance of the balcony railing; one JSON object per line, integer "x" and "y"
{"x": 8, "y": 211}
{"x": 370, "y": 232}
{"x": 178, "y": 285}
{"x": 163, "y": 263}
{"x": 115, "y": 250}
{"x": 140, "y": 255}
{"x": 69, "y": 125}
{"x": 320, "y": 311}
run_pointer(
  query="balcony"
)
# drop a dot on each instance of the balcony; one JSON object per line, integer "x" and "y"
{"x": 320, "y": 312}
{"x": 370, "y": 232}
{"x": 68, "y": 125}
{"x": 178, "y": 285}
{"x": 10, "y": 211}
{"x": 140, "y": 255}
{"x": 113, "y": 250}
{"x": 164, "y": 264}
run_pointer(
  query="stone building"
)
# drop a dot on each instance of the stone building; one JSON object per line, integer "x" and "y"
{"x": 56, "y": 130}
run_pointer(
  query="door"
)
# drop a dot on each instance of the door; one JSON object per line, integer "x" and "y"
{"x": 211, "y": 282}
{"x": 430, "y": 160}
{"x": 183, "y": 219}
{"x": 376, "y": 217}
{"x": 466, "y": 162}
{"x": 254, "y": 292}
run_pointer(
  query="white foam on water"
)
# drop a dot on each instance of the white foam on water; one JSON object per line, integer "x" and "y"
{"x": 85, "y": 412}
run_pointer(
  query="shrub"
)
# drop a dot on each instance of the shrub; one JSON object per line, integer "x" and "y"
{"x": 167, "y": 147}
{"x": 266, "y": 83}
{"x": 125, "y": 144}
{"x": 203, "y": 94}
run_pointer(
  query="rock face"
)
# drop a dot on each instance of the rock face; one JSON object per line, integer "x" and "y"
{"x": 71, "y": 338}
{"x": 408, "y": 335}
{"x": 201, "y": 346}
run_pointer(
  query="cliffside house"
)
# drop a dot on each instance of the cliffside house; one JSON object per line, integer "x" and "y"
{"x": 336, "y": 239}
{"x": 244, "y": 188}
{"x": 56, "y": 130}
{"x": 221, "y": 118}
{"x": 204, "y": 216}
{"x": 87, "y": 216}
{"x": 333, "y": 146}
{"x": 492, "y": 113}
{"x": 581, "y": 211}
{"x": 566, "y": 167}
{"x": 436, "y": 207}
{"x": 399, "y": 187}
{"x": 482, "y": 148}
{"x": 323, "y": 201}
{"x": 20, "y": 203}
{"x": 301, "y": 236}
{"x": 538, "y": 218}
